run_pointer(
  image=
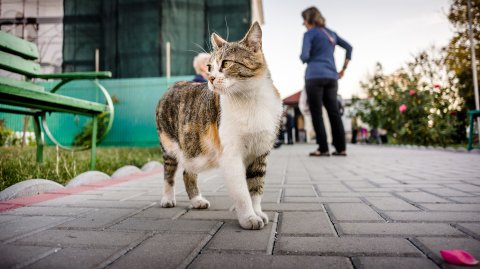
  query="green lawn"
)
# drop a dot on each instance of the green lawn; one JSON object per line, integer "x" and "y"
{"x": 18, "y": 164}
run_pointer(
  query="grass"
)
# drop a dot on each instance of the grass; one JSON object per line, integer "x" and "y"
{"x": 18, "y": 164}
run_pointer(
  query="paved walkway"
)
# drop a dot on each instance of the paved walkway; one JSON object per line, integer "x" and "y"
{"x": 378, "y": 208}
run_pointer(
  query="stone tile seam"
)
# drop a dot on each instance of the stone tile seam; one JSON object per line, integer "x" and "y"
{"x": 198, "y": 249}
{"x": 330, "y": 217}
{"x": 273, "y": 234}
{"x": 348, "y": 254}
{"x": 427, "y": 252}
{"x": 465, "y": 230}
{"x": 439, "y": 196}
{"x": 394, "y": 194}
{"x": 117, "y": 255}
{"x": 43, "y": 228}
{"x": 122, "y": 218}
{"x": 36, "y": 258}
{"x": 376, "y": 209}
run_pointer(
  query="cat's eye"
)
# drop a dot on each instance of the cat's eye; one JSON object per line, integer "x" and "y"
{"x": 226, "y": 64}
{"x": 209, "y": 67}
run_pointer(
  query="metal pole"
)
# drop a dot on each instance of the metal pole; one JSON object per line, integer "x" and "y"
{"x": 167, "y": 52}
{"x": 97, "y": 60}
{"x": 474, "y": 65}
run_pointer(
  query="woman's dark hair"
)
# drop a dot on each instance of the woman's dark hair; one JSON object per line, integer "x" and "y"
{"x": 313, "y": 16}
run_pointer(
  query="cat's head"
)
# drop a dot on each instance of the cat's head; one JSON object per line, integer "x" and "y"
{"x": 235, "y": 64}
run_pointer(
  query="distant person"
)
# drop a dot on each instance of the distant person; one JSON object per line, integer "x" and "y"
{"x": 354, "y": 129}
{"x": 321, "y": 79}
{"x": 200, "y": 65}
{"x": 289, "y": 124}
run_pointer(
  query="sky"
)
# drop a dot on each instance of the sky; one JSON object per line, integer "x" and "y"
{"x": 385, "y": 31}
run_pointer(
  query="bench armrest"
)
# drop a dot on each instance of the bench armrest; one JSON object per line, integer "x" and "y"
{"x": 77, "y": 75}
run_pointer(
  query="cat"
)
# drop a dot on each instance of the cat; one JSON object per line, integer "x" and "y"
{"x": 230, "y": 122}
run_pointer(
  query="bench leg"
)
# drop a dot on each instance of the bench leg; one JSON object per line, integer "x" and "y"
{"x": 94, "y": 143}
{"x": 470, "y": 132}
{"x": 38, "y": 137}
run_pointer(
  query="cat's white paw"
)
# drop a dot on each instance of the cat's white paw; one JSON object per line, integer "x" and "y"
{"x": 198, "y": 202}
{"x": 263, "y": 216}
{"x": 166, "y": 202}
{"x": 252, "y": 222}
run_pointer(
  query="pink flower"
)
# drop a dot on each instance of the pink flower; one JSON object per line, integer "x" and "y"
{"x": 402, "y": 108}
{"x": 436, "y": 86}
{"x": 411, "y": 92}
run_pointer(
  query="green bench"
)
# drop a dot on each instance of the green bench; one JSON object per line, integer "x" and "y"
{"x": 25, "y": 97}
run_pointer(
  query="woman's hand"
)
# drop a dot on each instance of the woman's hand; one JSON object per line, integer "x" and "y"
{"x": 341, "y": 73}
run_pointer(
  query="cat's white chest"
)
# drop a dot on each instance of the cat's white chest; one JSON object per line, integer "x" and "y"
{"x": 250, "y": 126}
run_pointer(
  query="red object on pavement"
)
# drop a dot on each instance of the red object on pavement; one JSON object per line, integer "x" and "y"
{"x": 458, "y": 256}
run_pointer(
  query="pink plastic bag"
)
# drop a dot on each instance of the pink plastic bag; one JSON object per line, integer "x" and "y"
{"x": 458, "y": 256}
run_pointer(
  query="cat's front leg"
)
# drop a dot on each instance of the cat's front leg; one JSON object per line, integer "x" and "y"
{"x": 255, "y": 180}
{"x": 234, "y": 172}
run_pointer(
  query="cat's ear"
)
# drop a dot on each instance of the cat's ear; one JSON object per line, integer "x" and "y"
{"x": 253, "y": 38}
{"x": 217, "y": 41}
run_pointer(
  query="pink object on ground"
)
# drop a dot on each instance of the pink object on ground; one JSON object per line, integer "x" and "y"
{"x": 458, "y": 256}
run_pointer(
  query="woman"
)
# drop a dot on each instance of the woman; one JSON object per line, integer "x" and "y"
{"x": 321, "y": 79}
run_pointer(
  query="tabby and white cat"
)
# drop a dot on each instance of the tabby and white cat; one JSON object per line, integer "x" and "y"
{"x": 230, "y": 121}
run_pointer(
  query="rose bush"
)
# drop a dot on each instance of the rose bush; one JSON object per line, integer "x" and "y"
{"x": 416, "y": 104}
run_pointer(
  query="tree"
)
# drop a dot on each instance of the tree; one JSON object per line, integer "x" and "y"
{"x": 458, "y": 56}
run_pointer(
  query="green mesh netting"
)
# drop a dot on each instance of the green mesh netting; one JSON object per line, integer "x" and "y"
{"x": 131, "y": 34}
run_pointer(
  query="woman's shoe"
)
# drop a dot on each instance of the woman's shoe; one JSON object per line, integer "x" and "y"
{"x": 317, "y": 153}
{"x": 342, "y": 153}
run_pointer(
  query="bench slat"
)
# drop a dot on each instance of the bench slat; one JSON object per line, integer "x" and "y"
{"x": 48, "y": 101}
{"x": 18, "y": 65}
{"x": 18, "y": 46}
{"x": 4, "y": 81}
{"x": 77, "y": 75}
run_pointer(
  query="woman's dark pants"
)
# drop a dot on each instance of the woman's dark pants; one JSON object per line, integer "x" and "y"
{"x": 323, "y": 92}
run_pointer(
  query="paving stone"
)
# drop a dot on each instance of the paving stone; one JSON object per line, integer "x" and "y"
{"x": 433, "y": 216}
{"x": 232, "y": 237}
{"x": 357, "y": 211}
{"x": 210, "y": 215}
{"x": 332, "y": 188}
{"x": 422, "y": 197}
{"x": 111, "y": 204}
{"x": 55, "y": 237}
{"x": 308, "y": 192}
{"x": 163, "y": 213}
{"x": 466, "y": 200}
{"x": 7, "y": 218}
{"x": 345, "y": 246}
{"x": 473, "y": 227}
{"x": 397, "y": 229}
{"x": 306, "y": 223}
{"x": 12, "y": 255}
{"x": 225, "y": 260}
{"x": 452, "y": 207}
{"x": 396, "y": 263}
{"x": 465, "y": 187}
{"x": 74, "y": 258}
{"x": 359, "y": 184}
{"x": 138, "y": 224}
{"x": 391, "y": 204}
{"x": 292, "y": 207}
{"x": 49, "y": 211}
{"x": 354, "y": 194}
{"x": 98, "y": 218}
{"x": 160, "y": 251}
{"x": 26, "y": 224}
{"x": 449, "y": 192}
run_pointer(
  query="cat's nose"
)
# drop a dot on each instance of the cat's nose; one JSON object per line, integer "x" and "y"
{"x": 211, "y": 78}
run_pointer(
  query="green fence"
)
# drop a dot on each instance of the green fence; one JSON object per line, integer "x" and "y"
{"x": 135, "y": 102}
